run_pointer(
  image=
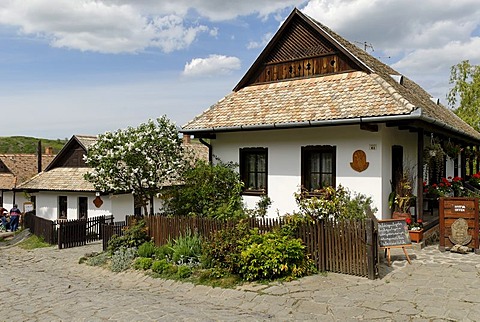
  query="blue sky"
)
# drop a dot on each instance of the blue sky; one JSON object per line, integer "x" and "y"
{"x": 89, "y": 66}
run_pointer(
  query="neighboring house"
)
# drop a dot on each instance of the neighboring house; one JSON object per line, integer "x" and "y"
{"x": 61, "y": 192}
{"x": 16, "y": 168}
{"x": 314, "y": 110}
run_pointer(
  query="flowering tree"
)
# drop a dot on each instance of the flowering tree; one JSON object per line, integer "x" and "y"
{"x": 139, "y": 160}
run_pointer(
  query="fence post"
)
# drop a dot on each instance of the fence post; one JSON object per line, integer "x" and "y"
{"x": 60, "y": 239}
{"x": 371, "y": 249}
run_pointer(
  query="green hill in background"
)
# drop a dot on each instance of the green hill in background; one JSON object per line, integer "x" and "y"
{"x": 23, "y": 144}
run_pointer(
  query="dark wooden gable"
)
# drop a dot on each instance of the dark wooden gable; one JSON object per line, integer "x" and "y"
{"x": 71, "y": 156}
{"x": 4, "y": 168}
{"x": 299, "y": 49}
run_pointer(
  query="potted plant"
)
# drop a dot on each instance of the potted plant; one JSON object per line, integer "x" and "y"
{"x": 434, "y": 158}
{"x": 402, "y": 198}
{"x": 415, "y": 230}
{"x": 451, "y": 149}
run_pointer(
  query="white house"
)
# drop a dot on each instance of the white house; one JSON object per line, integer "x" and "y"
{"x": 16, "y": 168}
{"x": 314, "y": 110}
{"x": 61, "y": 192}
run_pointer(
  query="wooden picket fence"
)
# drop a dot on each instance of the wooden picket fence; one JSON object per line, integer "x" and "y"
{"x": 67, "y": 233}
{"x": 347, "y": 246}
{"x": 44, "y": 228}
{"x": 79, "y": 232}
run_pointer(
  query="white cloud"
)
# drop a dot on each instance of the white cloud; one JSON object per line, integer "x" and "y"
{"x": 98, "y": 26}
{"x": 425, "y": 37}
{"x": 215, "y": 10}
{"x": 130, "y": 26}
{"x": 212, "y": 65}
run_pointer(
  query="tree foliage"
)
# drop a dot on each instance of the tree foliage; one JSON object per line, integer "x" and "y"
{"x": 139, "y": 160}
{"x": 208, "y": 191}
{"x": 466, "y": 92}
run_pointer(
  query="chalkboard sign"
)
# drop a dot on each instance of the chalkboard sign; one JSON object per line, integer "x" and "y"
{"x": 393, "y": 232}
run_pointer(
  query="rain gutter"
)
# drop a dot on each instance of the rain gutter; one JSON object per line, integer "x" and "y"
{"x": 416, "y": 115}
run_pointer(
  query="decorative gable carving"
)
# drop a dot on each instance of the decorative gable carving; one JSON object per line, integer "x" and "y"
{"x": 70, "y": 157}
{"x": 299, "y": 49}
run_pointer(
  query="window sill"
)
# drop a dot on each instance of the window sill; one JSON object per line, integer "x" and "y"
{"x": 254, "y": 192}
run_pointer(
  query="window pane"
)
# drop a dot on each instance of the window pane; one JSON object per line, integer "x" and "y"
{"x": 261, "y": 163}
{"x": 327, "y": 180}
{"x": 327, "y": 163}
{"x": 315, "y": 162}
{"x": 262, "y": 181}
{"x": 315, "y": 183}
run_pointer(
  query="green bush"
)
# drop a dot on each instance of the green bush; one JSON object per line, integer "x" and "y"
{"x": 334, "y": 203}
{"x": 164, "y": 251}
{"x": 143, "y": 263}
{"x": 97, "y": 260}
{"x": 187, "y": 249}
{"x": 212, "y": 191}
{"x": 160, "y": 266}
{"x": 273, "y": 255}
{"x": 184, "y": 271}
{"x": 146, "y": 249}
{"x": 221, "y": 250}
{"x": 122, "y": 259}
{"x": 134, "y": 236}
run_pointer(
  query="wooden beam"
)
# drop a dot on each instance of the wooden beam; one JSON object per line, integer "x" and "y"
{"x": 369, "y": 127}
{"x": 420, "y": 148}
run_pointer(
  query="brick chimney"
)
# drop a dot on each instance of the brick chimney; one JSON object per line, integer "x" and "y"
{"x": 186, "y": 138}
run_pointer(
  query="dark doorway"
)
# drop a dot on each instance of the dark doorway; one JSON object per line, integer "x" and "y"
{"x": 82, "y": 207}
{"x": 397, "y": 164}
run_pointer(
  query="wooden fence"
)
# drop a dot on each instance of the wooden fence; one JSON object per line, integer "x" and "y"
{"x": 79, "y": 232}
{"x": 348, "y": 247}
{"x": 41, "y": 227}
{"x": 67, "y": 233}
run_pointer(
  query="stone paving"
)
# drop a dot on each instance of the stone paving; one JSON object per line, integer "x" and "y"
{"x": 48, "y": 284}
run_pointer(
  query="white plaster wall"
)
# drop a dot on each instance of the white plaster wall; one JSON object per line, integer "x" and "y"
{"x": 122, "y": 205}
{"x": 408, "y": 140}
{"x": 284, "y": 166}
{"x": 117, "y": 205}
{"x": 8, "y": 200}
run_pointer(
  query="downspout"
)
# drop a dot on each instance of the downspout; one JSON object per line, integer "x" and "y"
{"x": 210, "y": 152}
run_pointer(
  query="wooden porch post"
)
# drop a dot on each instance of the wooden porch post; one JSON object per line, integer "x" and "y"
{"x": 463, "y": 164}
{"x": 420, "y": 147}
{"x": 477, "y": 159}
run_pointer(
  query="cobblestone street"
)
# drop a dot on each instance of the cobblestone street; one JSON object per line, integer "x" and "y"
{"x": 48, "y": 284}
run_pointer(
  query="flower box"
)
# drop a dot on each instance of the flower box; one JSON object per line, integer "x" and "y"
{"x": 416, "y": 236}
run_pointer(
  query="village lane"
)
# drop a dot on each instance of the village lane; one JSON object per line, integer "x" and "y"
{"x": 48, "y": 284}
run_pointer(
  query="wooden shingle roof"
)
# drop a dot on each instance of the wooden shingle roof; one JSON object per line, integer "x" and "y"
{"x": 61, "y": 176}
{"x": 20, "y": 167}
{"x": 59, "y": 179}
{"x": 364, "y": 90}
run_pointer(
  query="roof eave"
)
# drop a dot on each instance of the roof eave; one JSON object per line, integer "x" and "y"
{"x": 415, "y": 115}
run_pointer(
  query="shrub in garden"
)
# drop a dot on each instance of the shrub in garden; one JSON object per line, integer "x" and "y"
{"x": 160, "y": 266}
{"x": 187, "y": 249}
{"x": 164, "y": 251}
{"x": 273, "y": 255}
{"x": 97, "y": 260}
{"x": 146, "y": 249}
{"x": 134, "y": 236}
{"x": 143, "y": 263}
{"x": 334, "y": 203}
{"x": 221, "y": 249}
{"x": 208, "y": 191}
{"x": 184, "y": 271}
{"x": 122, "y": 259}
